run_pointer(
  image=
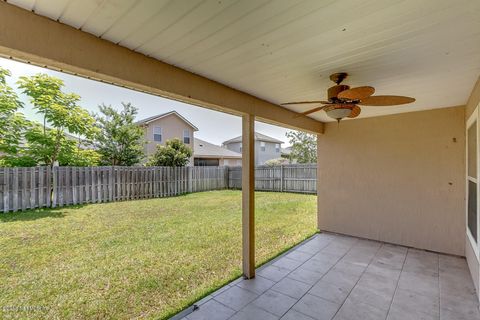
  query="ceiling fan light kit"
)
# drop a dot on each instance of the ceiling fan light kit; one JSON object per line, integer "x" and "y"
{"x": 343, "y": 101}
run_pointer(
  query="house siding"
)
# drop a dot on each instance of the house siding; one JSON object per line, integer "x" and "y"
{"x": 172, "y": 127}
{"x": 260, "y": 156}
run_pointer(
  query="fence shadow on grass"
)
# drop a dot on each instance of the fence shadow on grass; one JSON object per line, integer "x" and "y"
{"x": 31, "y": 215}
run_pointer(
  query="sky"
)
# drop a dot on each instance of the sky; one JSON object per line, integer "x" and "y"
{"x": 213, "y": 126}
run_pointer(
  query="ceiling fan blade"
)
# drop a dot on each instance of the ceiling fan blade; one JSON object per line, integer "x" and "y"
{"x": 355, "y": 112}
{"x": 304, "y": 102}
{"x": 358, "y": 93}
{"x": 310, "y": 111}
{"x": 386, "y": 100}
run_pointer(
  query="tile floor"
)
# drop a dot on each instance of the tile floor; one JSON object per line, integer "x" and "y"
{"x": 338, "y": 277}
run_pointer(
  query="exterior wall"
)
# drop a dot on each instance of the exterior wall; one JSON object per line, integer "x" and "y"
{"x": 398, "y": 178}
{"x": 172, "y": 127}
{"x": 473, "y": 263}
{"x": 260, "y": 156}
{"x": 231, "y": 162}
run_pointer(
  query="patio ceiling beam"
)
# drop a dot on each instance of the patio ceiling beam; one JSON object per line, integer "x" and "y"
{"x": 248, "y": 196}
{"x": 28, "y": 37}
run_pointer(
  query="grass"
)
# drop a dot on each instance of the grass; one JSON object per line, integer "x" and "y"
{"x": 144, "y": 259}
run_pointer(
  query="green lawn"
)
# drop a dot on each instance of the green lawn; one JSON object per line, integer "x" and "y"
{"x": 137, "y": 259}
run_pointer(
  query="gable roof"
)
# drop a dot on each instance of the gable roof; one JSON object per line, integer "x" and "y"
{"x": 204, "y": 149}
{"x": 146, "y": 121}
{"x": 258, "y": 137}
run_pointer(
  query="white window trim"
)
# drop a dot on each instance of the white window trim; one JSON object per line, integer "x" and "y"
{"x": 187, "y": 135}
{"x": 475, "y": 244}
{"x": 154, "y": 133}
{"x": 263, "y": 146}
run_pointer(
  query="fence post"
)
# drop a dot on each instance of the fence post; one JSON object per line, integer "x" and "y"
{"x": 281, "y": 178}
{"x": 6, "y": 191}
{"x": 54, "y": 186}
{"x": 189, "y": 179}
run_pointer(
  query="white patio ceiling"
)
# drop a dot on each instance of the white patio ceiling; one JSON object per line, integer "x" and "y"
{"x": 284, "y": 50}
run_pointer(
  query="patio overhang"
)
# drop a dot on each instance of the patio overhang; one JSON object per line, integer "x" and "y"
{"x": 396, "y": 175}
{"x": 34, "y": 39}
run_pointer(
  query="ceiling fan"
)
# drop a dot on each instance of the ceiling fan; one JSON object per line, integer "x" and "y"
{"x": 343, "y": 101}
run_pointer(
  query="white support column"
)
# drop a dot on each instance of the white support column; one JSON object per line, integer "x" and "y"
{"x": 248, "y": 195}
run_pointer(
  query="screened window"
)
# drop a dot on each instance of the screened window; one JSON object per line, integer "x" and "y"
{"x": 186, "y": 136}
{"x": 157, "y": 134}
{"x": 262, "y": 146}
{"x": 277, "y": 147}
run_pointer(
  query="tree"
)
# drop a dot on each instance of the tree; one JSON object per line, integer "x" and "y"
{"x": 61, "y": 114}
{"x": 12, "y": 122}
{"x": 304, "y": 146}
{"x": 120, "y": 140}
{"x": 173, "y": 154}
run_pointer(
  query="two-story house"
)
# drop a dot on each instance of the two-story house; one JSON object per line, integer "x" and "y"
{"x": 266, "y": 147}
{"x": 167, "y": 126}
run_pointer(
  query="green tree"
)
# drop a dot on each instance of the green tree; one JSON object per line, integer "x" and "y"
{"x": 119, "y": 140}
{"x": 61, "y": 114}
{"x": 173, "y": 154}
{"x": 12, "y": 122}
{"x": 304, "y": 146}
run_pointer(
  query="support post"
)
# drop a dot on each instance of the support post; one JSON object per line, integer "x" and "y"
{"x": 248, "y": 195}
{"x": 319, "y": 164}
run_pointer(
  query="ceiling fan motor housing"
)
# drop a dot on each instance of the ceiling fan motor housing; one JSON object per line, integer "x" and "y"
{"x": 335, "y": 90}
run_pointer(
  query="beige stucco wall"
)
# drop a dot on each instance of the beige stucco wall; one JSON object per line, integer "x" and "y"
{"x": 398, "y": 178}
{"x": 172, "y": 127}
{"x": 474, "y": 99}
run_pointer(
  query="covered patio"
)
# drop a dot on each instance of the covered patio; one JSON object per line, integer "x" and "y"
{"x": 399, "y": 183}
{"x": 332, "y": 276}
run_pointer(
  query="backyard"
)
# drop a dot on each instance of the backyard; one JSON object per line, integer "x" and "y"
{"x": 137, "y": 259}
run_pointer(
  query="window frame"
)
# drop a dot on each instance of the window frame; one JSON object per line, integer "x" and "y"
{"x": 157, "y": 134}
{"x": 277, "y": 147}
{"x": 263, "y": 146}
{"x": 187, "y": 136}
{"x": 473, "y": 119}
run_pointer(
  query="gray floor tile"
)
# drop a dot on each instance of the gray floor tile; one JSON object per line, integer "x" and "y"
{"x": 351, "y": 310}
{"x": 340, "y": 278}
{"x": 275, "y": 302}
{"x": 422, "y": 284}
{"x": 316, "y": 307}
{"x": 295, "y": 315}
{"x": 397, "y": 313}
{"x": 252, "y": 312}
{"x": 222, "y": 289}
{"x": 333, "y": 292}
{"x": 287, "y": 263}
{"x": 380, "y": 283}
{"x": 273, "y": 273}
{"x": 258, "y": 284}
{"x": 305, "y": 275}
{"x": 408, "y": 300}
{"x": 371, "y": 296}
{"x": 354, "y": 269}
{"x": 236, "y": 297}
{"x": 299, "y": 256}
{"x": 211, "y": 310}
{"x": 292, "y": 288}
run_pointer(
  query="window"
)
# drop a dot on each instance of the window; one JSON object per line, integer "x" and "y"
{"x": 240, "y": 148}
{"x": 186, "y": 136}
{"x": 277, "y": 147}
{"x": 157, "y": 134}
{"x": 262, "y": 146}
{"x": 472, "y": 176}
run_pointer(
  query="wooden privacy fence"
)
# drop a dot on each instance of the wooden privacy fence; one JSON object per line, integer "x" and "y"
{"x": 39, "y": 187}
{"x": 300, "y": 178}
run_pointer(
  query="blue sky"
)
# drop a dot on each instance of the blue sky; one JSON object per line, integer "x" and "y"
{"x": 213, "y": 126}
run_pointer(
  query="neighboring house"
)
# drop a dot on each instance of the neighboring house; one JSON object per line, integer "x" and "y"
{"x": 167, "y": 126}
{"x": 208, "y": 154}
{"x": 286, "y": 154}
{"x": 266, "y": 147}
